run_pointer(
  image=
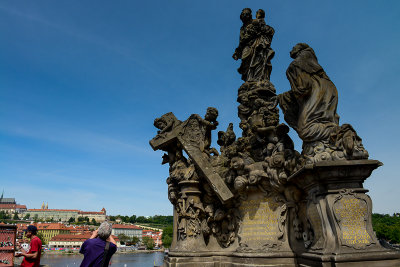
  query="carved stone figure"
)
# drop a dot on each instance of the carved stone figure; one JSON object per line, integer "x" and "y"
{"x": 226, "y": 138}
{"x": 166, "y": 122}
{"x": 310, "y": 108}
{"x": 255, "y": 47}
{"x": 260, "y": 202}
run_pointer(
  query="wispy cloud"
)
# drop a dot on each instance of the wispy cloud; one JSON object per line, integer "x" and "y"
{"x": 118, "y": 49}
{"x": 77, "y": 138}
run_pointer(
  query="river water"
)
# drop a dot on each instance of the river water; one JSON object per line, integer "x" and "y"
{"x": 117, "y": 260}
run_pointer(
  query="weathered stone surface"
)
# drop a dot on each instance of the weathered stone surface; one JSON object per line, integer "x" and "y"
{"x": 259, "y": 202}
{"x": 310, "y": 108}
{"x": 338, "y": 215}
{"x": 255, "y": 47}
{"x": 194, "y": 136}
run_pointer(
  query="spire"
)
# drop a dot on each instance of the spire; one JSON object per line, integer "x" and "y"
{"x": 42, "y": 206}
{"x": 47, "y": 206}
{"x": 2, "y": 194}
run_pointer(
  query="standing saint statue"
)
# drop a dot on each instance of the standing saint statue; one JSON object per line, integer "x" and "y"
{"x": 255, "y": 47}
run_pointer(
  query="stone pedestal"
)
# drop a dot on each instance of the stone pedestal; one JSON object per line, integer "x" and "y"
{"x": 189, "y": 236}
{"x": 262, "y": 238}
{"x": 337, "y": 229}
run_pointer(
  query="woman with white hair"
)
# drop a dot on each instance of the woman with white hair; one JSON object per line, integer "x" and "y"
{"x": 99, "y": 248}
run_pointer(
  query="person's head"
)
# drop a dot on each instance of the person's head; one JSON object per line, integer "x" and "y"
{"x": 260, "y": 14}
{"x": 104, "y": 230}
{"x": 297, "y": 48}
{"x": 31, "y": 230}
{"x": 246, "y": 15}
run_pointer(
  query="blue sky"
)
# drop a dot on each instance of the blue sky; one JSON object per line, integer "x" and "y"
{"x": 82, "y": 81}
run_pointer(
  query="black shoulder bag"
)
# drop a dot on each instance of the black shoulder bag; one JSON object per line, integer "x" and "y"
{"x": 107, "y": 247}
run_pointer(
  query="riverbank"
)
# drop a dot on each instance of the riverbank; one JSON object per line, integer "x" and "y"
{"x": 146, "y": 259}
{"x": 74, "y": 252}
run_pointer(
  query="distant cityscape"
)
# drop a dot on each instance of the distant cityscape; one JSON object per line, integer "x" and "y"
{"x": 57, "y": 228}
{"x": 10, "y": 206}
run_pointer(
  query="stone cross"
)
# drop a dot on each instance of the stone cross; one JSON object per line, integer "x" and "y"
{"x": 190, "y": 135}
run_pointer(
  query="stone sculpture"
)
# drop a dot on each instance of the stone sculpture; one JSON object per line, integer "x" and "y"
{"x": 259, "y": 202}
{"x": 310, "y": 108}
{"x": 255, "y": 47}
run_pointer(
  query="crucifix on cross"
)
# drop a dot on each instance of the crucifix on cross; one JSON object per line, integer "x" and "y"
{"x": 192, "y": 135}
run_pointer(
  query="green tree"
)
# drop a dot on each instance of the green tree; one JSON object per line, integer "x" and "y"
{"x": 123, "y": 238}
{"x": 35, "y": 218}
{"x": 387, "y": 227}
{"x": 134, "y": 240}
{"x": 41, "y": 237}
{"x": 4, "y": 215}
{"x": 27, "y": 216}
{"x": 71, "y": 220}
{"x": 148, "y": 242}
{"x": 167, "y": 236}
{"x": 94, "y": 221}
{"x": 132, "y": 219}
{"x": 125, "y": 219}
{"x": 15, "y": 217}
{"x": 141, "y": 219}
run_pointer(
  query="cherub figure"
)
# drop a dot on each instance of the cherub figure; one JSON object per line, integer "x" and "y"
{"x": 239, "y": 174}
{"x": 227, "y": 138}
{"x": 209, "y": 123}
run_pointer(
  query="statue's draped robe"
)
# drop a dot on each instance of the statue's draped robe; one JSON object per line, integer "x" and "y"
{"x": 310, "y": 106}
{"x": 256, "y": 39}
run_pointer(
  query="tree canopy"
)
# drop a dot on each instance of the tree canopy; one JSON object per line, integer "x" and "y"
{"x": 167, "y": 236}
{"x": 159, "y": 220}
{"x": 387, "y": 227}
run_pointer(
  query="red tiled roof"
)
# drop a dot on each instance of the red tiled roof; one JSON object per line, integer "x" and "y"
{"x": 91, "y": 212}
{"x": 78, "y": 229}
{"x": 22, "y": 226}
{"x": 70, "y": 237}
{"x": 75, "y": 238}
{"x": 8, "y": 206}
{"x": 125, "y": 226}
{"x": 21, "y": 206}
{"x": 51, "y": 226}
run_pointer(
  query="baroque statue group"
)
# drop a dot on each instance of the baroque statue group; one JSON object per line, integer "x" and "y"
{"x": 257, "y": 201}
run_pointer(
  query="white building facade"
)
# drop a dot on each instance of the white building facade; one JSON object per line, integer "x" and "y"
{"x": 128, "y": 230}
